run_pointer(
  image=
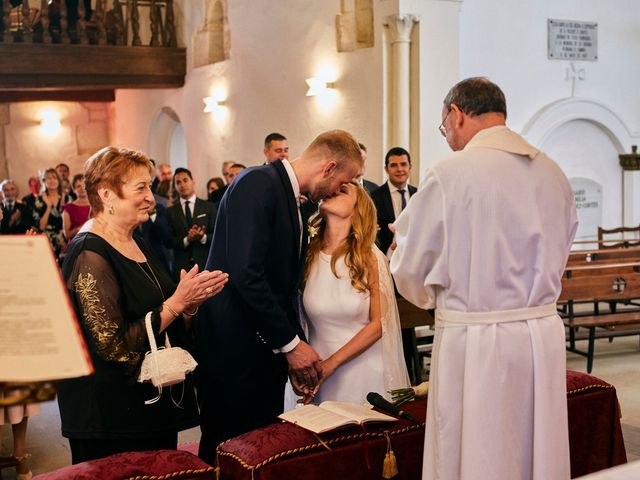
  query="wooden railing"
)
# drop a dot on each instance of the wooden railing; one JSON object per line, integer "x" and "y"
{"x": 86, "y": 22}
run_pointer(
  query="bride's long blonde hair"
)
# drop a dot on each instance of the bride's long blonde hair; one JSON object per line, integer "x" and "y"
{"x": 356, "y": 247}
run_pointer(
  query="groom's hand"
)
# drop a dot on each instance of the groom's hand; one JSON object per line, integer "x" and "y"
{"x": 304, "y": 364}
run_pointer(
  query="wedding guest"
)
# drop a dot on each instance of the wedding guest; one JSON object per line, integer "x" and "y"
{"x": 163, "y": 194}
{"x": 18, "y": 217}
{"x": 30, "y": 199}
{"x": 63, "y": 174}
{"x": 235, "y": 169}
{"x": 214, "y": 184}
{"x": 163, "y": 174}
{"x": 113, "y": 281}
{"x": 225, "y": 170}
{"x": 276, "y": 147}
{"x": 368, "y": 185}
{"x": 74, "y": 214}
{"x": 18, "y": 417}
{"x": 48, "y": 208}
{"x": 349, "y": 301}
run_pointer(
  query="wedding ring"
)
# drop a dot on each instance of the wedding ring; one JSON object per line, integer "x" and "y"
{"x": 208, "y": 289}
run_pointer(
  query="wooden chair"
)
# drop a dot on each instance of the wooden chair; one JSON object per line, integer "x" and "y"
{"x": 619, "y": 242}
{"x": 410, "y": 318}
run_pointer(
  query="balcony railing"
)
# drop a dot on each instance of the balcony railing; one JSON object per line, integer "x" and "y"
{"x": 85, "y": 44}
{"x": 102, "y": 22}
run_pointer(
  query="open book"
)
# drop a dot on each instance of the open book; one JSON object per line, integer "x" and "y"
{"x": 331, "y": 415}
{"x": 40, "y": 338}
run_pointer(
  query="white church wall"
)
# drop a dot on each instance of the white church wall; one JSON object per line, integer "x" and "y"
{"x": 507, "y": 42}
{"x": 30, "y": 146}
{"x": 272, "y": 52}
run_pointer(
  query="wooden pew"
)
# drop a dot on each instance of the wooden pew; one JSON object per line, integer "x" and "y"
{"x": 618, "y": 242}
{"x": 600, "y": 282}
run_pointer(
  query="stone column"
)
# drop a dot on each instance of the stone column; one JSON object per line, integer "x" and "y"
{"x": 399, "y": 28}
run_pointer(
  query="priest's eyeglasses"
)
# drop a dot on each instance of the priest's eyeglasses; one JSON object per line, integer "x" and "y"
{"x": 441, "y": 127}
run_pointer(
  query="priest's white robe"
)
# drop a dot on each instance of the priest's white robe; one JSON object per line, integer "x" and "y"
{"x": 485, "y": 242}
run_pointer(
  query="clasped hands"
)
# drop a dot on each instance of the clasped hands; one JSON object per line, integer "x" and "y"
{"x": 195, "y": 287}
{"x": 195, "y": 233}
{"x": 307, "y": 371}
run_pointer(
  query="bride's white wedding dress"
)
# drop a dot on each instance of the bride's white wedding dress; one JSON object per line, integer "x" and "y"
{"x": 335, "y": 312}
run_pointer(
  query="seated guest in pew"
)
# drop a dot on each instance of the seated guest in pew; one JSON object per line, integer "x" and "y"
{"x": 350, "y": 303}
{"x": 113, "y": 281}
{"x": 485, "y": 241}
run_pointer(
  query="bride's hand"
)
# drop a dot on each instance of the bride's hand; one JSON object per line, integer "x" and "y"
{"x": 328, "y": 367}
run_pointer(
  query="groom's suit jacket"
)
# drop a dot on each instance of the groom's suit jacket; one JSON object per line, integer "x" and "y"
{"x": 257, "y": 241}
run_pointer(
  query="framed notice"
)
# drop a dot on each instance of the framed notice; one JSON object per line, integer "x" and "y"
{"x": 572, "y": 40}
{"x": 40, "y": 338}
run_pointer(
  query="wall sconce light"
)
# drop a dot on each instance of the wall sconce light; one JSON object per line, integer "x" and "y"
{"x": 318, "y": 86}
{"x": 50, "y": 122}
{"x": 211, "y": 104}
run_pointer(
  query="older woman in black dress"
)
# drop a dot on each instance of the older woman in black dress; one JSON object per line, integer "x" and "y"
{"x": 113, "y": 281}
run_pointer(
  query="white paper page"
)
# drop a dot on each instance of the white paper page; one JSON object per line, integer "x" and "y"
{"x": 359, "y": 413}
{"x": 315, "y": 418}
{"x": 39, "y": 336}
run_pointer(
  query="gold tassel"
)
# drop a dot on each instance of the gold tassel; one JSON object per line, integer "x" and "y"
{"x": 389, "y": 466}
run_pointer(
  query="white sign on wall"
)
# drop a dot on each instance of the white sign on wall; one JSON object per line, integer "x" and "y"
{"x": 571, "y": 40}
{"x": 588, "y": 196}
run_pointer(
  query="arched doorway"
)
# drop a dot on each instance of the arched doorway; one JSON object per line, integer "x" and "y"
{"x": 167, "y": 143}
{"x": 585, "y": 137}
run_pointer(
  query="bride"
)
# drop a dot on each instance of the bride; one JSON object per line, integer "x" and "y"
{"x": 349, "y": 302}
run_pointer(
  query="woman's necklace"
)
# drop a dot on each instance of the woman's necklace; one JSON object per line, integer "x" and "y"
{"x": 153, "y": 280}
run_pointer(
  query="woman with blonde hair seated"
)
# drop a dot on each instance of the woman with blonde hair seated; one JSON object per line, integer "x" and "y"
{"x": 349, "y": 302}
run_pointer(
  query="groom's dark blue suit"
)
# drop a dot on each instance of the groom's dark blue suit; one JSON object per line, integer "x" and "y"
{"x": 257, "y": 241}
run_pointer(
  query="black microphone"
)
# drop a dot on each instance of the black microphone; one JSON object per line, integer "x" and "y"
{"x": 379, "y": 401}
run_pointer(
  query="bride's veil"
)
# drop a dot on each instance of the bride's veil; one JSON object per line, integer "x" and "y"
{"x": 394, "y": 367}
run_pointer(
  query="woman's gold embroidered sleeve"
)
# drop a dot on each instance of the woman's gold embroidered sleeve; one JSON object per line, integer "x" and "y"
{"x": 103, "y": 330}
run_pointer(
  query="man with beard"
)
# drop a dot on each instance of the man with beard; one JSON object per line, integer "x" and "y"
{"x": 250, "y": 334}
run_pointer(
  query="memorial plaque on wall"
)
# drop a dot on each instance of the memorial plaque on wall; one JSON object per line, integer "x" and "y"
{"x": 588, "y": 196}
{"x": 572, "y": 40}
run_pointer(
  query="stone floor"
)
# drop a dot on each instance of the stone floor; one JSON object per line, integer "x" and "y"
{"x": 616, "y": 363}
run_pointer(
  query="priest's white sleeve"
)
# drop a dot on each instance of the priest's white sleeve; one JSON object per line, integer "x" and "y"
{"x": 420, "y": 262}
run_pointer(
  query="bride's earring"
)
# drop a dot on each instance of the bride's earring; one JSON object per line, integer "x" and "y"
{"x": 111, "y": 210}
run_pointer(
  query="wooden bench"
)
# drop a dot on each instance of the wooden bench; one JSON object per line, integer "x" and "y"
{"x": 614, "y": 283}
{"x": 624, "y": 241}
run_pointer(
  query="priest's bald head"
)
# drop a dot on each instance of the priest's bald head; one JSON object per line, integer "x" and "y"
{"x": 470, "y": 106}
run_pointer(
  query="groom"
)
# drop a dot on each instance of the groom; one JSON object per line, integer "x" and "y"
{"x": 249, "y": 335}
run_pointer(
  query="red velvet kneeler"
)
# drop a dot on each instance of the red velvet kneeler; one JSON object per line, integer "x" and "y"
{"x": 282, "y": 451}
{"x": 151, "y": 465}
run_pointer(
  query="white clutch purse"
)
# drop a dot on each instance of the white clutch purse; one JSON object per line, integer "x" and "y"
{"x": 164, "y": 366}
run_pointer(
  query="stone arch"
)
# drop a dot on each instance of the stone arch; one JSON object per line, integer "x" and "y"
{"x": 585, "y": 138}
{"x": 549, "y": 118}
{"x": 211, "y": 43}
{"x": 166, "y": 139}
{"x": 354, "y": 25}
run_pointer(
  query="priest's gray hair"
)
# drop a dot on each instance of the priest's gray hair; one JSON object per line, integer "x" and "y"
{"x": 475, "y": 96}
